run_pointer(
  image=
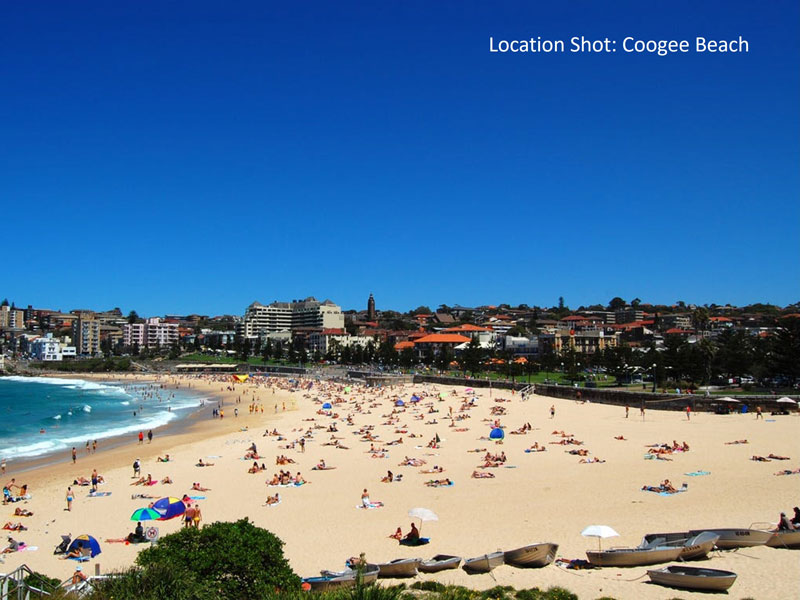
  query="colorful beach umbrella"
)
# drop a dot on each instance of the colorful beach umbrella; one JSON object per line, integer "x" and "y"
{"x": 145, "y": 514}
{"x": 169, "y": 507}
{"x": 85, "y": 541}
{"x": 497, "y": 434}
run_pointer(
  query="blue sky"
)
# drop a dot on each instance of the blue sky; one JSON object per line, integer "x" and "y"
{"x": 177, "y": 157}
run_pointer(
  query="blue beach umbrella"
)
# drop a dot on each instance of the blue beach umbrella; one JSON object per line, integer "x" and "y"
{"x": 169, "y": 507}
{"x": 327, "y": 405}
{"x": 399, "y": 403}
{"x": 145, "y": 514}
{"x": 497, "y": 434}
{"x": 85, "y": 541}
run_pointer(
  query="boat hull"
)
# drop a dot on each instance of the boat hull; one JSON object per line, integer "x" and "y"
{"x": 694, "y": 547}
{"x": 342, "y": 579}
{"x": 531, "y": 556}
{"x": 484, "y": 563}
{"x": 633, "y": 557}
{"x": 403, "y": 567}
{"x": 440, "y": 562}
{"x": 784, "y": 539}
{"x": 691, "y": 578}
{"x": 737, "y": 538}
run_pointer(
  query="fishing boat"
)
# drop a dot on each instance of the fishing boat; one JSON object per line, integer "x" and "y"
{"x": 737, "y": 538}
{"x": 694, "y": 547}
{"x": 633, "y": 557}
{"x": 784, "y": 539}
{"x": 399, "y": 567}
{"x": 483, "y": 563}
{"x": 532, "y": 555}
{"x": 347, "y": 578}
{"x": 440, "y": 562}
{"x": 692, "y": 578}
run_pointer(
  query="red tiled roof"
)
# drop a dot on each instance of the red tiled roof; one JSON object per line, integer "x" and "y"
{"x": 721, "y": 320}
{"x": 677, "y": 331}
{"x": 403, "y": 345}
{"x": 332, "y": 332}
{"x": 443, "y": 338}
{"x": 466, "y": 327}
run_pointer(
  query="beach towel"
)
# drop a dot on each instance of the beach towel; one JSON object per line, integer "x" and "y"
{"x": 451, "y": 484}
{"x": 698, "y": 473}
{"x": 99, "y": 494}
{"x": 672, "y": 493}
{"x": 197, "y": 497}
{"x": 273, "y": 504}
{"x": 28, "y": 549}
{"x": 371, "y": 505}
{"x": 152, "y": 483}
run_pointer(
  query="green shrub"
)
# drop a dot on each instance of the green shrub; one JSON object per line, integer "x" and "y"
{"x": 530, "y": 594}
{"x": 559, "y": 593}
{"x": 428, "y": 586}
{"x": 498, "y": 592}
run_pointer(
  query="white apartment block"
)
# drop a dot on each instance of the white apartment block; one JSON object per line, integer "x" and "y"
{"x": 48, "y": 348}
{"x": 286, "y": 316}
{"x": 151, "y": 334}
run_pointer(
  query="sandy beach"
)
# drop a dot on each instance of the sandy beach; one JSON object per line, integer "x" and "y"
{"x": 537, "y": 496}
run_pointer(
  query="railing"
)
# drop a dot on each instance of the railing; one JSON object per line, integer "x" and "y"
{"x": 13, "y": 586}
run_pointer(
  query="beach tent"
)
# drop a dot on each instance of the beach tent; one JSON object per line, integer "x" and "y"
{"x": 600, "y": 532}
{"x": 169, "y": 507}
{"x": 497, "y": 434}
{"x": 729, "y": 399}
{"x": 786, "y": 400}
{"x": 145, "y": 514}
{"x": 85, "y": 541}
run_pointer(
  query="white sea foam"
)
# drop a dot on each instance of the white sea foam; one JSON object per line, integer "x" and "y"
{"x": 73, "y": 384}
{"x": 87, "y": 408}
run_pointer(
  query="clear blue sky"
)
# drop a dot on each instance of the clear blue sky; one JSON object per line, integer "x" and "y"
{"x": 174, "y": 157}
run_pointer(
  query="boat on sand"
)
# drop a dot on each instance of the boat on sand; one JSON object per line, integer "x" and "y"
{"x": 633, "y": 557}
{"x": 440, "y": 562}
{"x": 399, "y": 567}
{"x": 693, "y": 578}
{"x": 532, "y": 555}
{"x": 483, "y": 563}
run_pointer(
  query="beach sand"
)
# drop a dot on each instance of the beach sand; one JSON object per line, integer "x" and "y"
{"x": 546, "y": 496}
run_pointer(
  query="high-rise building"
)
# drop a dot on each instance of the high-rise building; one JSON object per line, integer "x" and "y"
{"x": 11, "y": 318}
{"x": 154, "y": 332}
{"x": 371, "y": 308}
{"x": 86, "y": 334}
{"x": 288, "y": 316}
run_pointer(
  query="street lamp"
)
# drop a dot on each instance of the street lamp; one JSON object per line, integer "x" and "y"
{"x": 654, "y": 377}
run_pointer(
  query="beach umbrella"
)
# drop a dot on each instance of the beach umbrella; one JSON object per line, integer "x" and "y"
{"x": 416, "y": 398}
{"x": 497, "y": 434}
{"x": 600, "y": 532}
{"x": 423, "y": 514}
{"x": 327, "y": 405}
{"x": 347, "y": 389}
{"x": 85, "y": 541}
{"x": 786, "y": 400}
{"x": 169, "y": 507}
{"x": 145, "y": 514}
{"x": 468, "y": 390}
{"x": 728, "y": 399}
{"x": 399, "y": 402}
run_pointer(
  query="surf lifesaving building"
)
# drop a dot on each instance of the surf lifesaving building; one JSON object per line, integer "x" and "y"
{"x": 260, "y": 319}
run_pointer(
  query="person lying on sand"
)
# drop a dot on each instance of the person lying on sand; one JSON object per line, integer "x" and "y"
{"x": 788, "y": 472}
{"x": 200, "y": 488}
{"x": 200, "y": 463}
{"x": 589, "y": 461}
{"x": 777, "y": 457}
{"x": 438, "y": 482}
{"x": 144, "y": 480}
{"x": 760, "y": 458}
{"x": 81, "y": 481}
{"x": 620, "y": 437}
{"x": 142, "y": 497}
{"x": 14, "y": 527}
{"x": 665, "y": 486}
{"x": 167, "y": 479}
{"x": 737, "y": 442}
{"x": 273, "y": 499}
{"x": 165, "y": 459}
{"x": 435, "y": 469}
{"x": 578, "y": 452}
{"x": 483, "y": 475}
{"x": 22, "y": 512}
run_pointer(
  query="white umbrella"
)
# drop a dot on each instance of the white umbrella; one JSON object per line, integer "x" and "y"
{"x": 600, "y": 532}
{"x": 786, "y": 400}
{"x": 728, "y": 399}
{"x": 423, "y": 514}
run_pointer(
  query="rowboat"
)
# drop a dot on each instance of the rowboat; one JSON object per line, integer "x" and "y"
{"x": 532, "y": 555}
{"x": 440, "y": 562}
{"x": 633, "y": 557}
{"x": 694, "y": 547}
{"x": 483, "y": 563}
{"x": 692, "y": 578}
{"x": 737, "y": 538}
{"x": 399, "y": 567}
{"x": 347, "y": 578}
{"x": 784, "y": 539}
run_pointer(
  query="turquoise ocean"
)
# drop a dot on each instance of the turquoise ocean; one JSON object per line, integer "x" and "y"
{"x": 43, "y": 415}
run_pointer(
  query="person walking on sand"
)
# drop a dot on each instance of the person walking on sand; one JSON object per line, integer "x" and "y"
{"x": 3, "y": 466}
{"x": 552, "y": 411}
{"x": 198, "y": 516}
{"x": 70, "y": 498}
{"x": 759, "y": 414}
{"x": 74, "y": 455}
{"x": 141, "y": 437}
{"x": 149, "y": 436}
{"x": 627, "y": 410}
{"x": 688, "y": 412}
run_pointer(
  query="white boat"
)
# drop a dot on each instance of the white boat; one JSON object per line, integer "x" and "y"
{"x": 347, "y": 578}
{"x": 784, "y": 539}
{"x": 399, "y": 567}
{"x": 737, "y": 538}
{"x": 483, "y": 563}
{"x": 532, "y": 555}
{"x": 692, "y": 578}
{"x": 633, "y": 557}
{"x": 694, "y": 546}
{"x": 440, "y": 562}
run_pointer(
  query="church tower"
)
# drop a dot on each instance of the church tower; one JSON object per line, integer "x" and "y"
{"x": 371, "y": 308}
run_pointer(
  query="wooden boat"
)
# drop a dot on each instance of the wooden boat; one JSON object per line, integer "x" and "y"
{"x": 633, "y": 557}
{"x": 399, "y": 567}
{"x": 440, "y": 562}
{"x": 692, "y": 578}
{"x": 737, "y": 538}
{"x": 784, "y": 539}
{"x": 483, "y": 563}
{"x": 694, "y": 547}
{"x": 532, "y": 555}
{"x": 347, "y": 578}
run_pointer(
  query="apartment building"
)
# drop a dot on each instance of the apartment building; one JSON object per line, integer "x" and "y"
{"x": 11, "y": 318}
{"x": 287, "y": 316}
{"x": 153, "y": 333}
{"x": 86, "y": 334}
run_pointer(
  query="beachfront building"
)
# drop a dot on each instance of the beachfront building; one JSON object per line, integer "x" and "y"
{"x": 11, "y": 318}
{"x": 583, "y": 342}
{"x": 48, "y": 348}
{"x": 153, "y": 333}
{"x": 288, "y": 316}
{"x": 329, "y": 339}
{"x": 86, "y": 334}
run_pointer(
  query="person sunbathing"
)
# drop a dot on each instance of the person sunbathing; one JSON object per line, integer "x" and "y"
{"x": 22, "y": 512}
{"x": 200, "y": 488}
{"x": 483, "y": 475}
{"x": 165, "y": 459}
{"x": 81, "y": 481}
{"x": 777, "y": 457}
{"x": 167, "y": 480}
{"x": 76, "y": 552}
{"x": 438, "y": 482}
{"x": 389, "y": 478}
{"x": 13, "y": 546}
{"x": 144, "y": 480}
{"x": 255, "y": 468}
{"x": 620, "y": 437}
{"x": 273, "y": 499}
{"x": 760, "y": 458}
{"x": 435, "y": 469}
{"x": 397, "y": 535}
{"x": 578, "y": 452}
{"x": 737, "y": 442}
{"x": 788, "y": 472}
{"x": 14, "y": 526}
{"x": 200, "y": 463}
{"x": 142, "y": 496}
{"x": 589, "y": 461}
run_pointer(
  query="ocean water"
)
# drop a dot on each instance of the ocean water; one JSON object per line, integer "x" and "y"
{"x": 43, "y": 415}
